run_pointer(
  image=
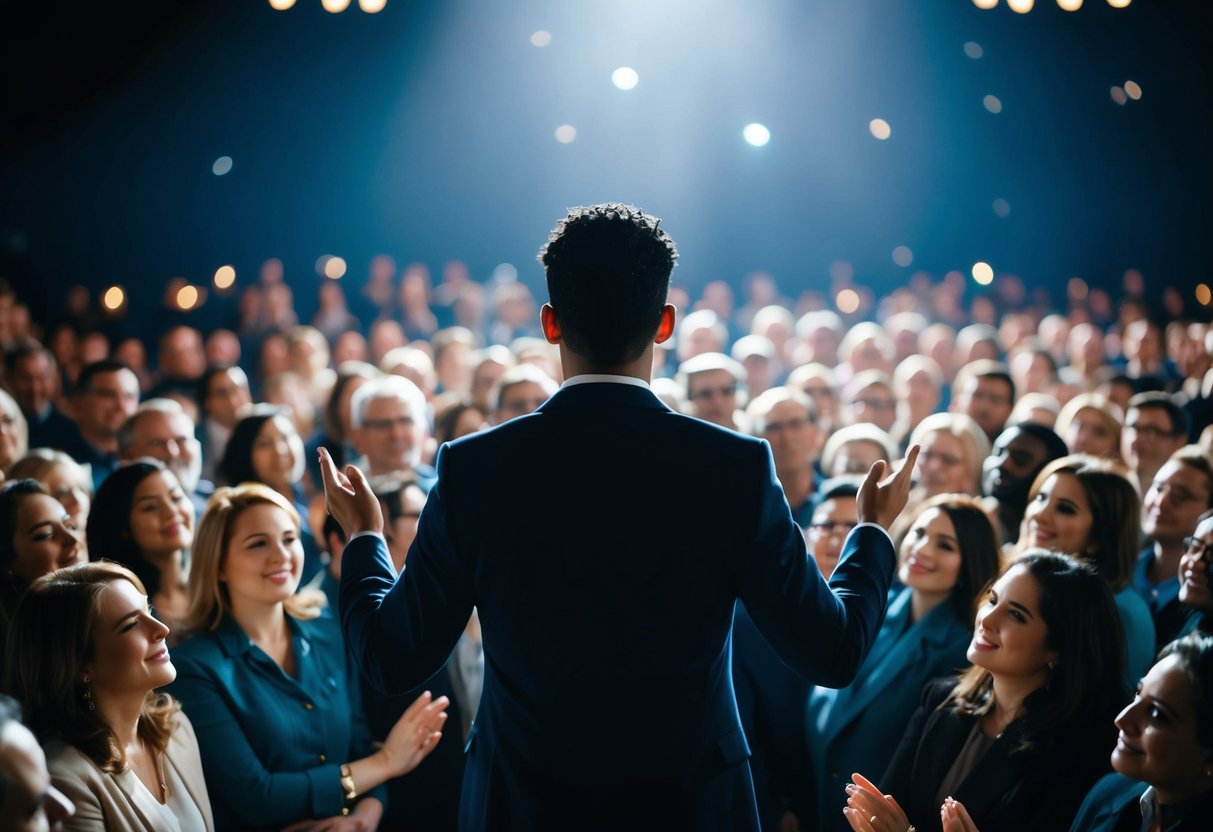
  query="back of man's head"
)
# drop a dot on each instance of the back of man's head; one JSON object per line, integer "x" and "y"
{"x": 608, "y": 273}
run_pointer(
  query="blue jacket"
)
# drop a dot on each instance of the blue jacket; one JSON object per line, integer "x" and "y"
{"x": 856, "y": 729}
{"x": 604, "y": 540}
{"x": 1114, "y": 804}
{"x": 272, "y": 745}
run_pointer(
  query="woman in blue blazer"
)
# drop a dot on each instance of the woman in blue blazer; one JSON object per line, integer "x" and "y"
{"x": 265, "y": 682}
{"x": 947, "y": 557}
{"x": 1164, "y": 755}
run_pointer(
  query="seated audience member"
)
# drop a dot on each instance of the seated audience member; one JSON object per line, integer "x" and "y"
{"x": 947, "y": 558}
{"x": 1091, "y": 424}
{"x": 1155, "y": 428}
{"x": 1196, "y": 577}
{"x": 756, "y": 354}
{"x": 308, "y": 355}
{"x": 1086, "y": 507}
{"x": 87, "y": 659}
{"x": 984, "y": 391}
{"x": 106, "y": 395}
{"x": 491, "y": 364}
{"x": 28, "y": 800}
{"x": 787, "y": 419}
{"x": 266, "y": 448}
{"x": 1181, "y": 492}
{"x": 264, "y": 678}
{"x": 335, "y": 430}
{"x": 14, "y": 432}
{"x": 1163, "y": 761}
{"x": 415, "y": 364}
{"x": 854, "y": 449}
{"x": 918, "y": 387}
{"x": 521, "y": 390}
{"x": 33, "y": 380}
{"x": 817, "y": 381}
{"x": 1016, "y": 741}
{"x": 953, "y": 450}
{"x": 456, "y": 418}
{"x": 713, "y": 381}
{"x": 161, "y": 429}
{"x": 453, "y": 349}
{"x": 223, "y": 391}
{"x": 1039, "y": 408}
{"x": 834, "y": 515}
{"x": 1033, "y": 367}
{"x": 821, "y": 331}
{"x": 1020, "y": 453}
{"x": 977, "y": 342}
{"x": 870, "y": 397}
{"x": 143, "y": 519}
{"x": 866, "y": 346}
{"x": 37, "y": 536}
{"x": 390, "y": 428}
{"x": 64, "y": 479}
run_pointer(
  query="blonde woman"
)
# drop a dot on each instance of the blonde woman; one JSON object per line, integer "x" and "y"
{"x": 265, "y": 680}
{"x": 14, "y": 432}
{"x": 1091, "y": 423}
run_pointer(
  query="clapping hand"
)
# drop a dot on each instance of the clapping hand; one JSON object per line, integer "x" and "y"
{"x": 955, "y": 817}
{"x": 349, "y": 498}
{"x": 868, "y": 810}
{"x": 881, "y": 502}
{"x": 415, "y": 734}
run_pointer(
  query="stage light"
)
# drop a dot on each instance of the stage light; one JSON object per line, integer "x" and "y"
{"x": 1133, "y": 90}
{"x": 983, "y": 273}
{"x": 991, "y": 103}
{"x": 222, "y": 166}
{"x": 335, "y": 6}
{"x": 1070, "y": 5}
{"x": 625, "y": 78}
{"x": 225, "y": 276}
{"x": 372, "y": 6}
{"x": 1119, "y": 96}
{"x": 880, "y": 128}
{"x": 1021, "y": 6}
{"x": 541, "y": 38}
{"x": 847, "y": 301}
{"x": 756, "y": 134}
{"x": 113, "y": 298}
{"x": 902, "y": 256}
{"x": 334, "y": 268}
{"x": 1204, "y": 295}
{"x": 565, "y": 133}
{"x": 281, "y": 5}
{"x": 985, "y": 4}
{"x": 1002, "y": 208}
{"x": 974, "y": 50}
{"x": 187, "y": 297}
{"x": 1119, "y": 4}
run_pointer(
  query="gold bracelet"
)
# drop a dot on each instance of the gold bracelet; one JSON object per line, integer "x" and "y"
{"x": 347, "y": 783}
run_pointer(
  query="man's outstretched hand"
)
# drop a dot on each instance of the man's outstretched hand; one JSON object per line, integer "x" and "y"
{"x": 881, "y": 502}
{"x": 349, "y": 498}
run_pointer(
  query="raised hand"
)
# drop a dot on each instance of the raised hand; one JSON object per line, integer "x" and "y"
{"x": 881, "y": 502}
{"x": 415, "y": 734}
{"x": 349, "y": 498}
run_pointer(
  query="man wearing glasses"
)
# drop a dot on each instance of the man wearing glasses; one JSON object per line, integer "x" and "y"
{"x": 787, "y": 419}
{"x": 1155, "y": 428}
{"x": 391, "y": 429}
{"x": 1196, "y": 577}
{"x": 712, "y": 380}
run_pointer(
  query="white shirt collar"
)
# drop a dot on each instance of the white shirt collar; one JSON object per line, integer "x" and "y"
{"x": 604, "y": 378}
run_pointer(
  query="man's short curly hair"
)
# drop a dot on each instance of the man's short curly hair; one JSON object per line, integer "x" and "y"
{"x": 608, "y": 273}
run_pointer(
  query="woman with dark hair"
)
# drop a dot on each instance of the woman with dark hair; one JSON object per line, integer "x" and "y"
{"x": 1196, "y": 577}
{"x": 1163, "y": 760}
{"x": 1020, "y": 737}
{"x": 37, "y": 536}
{"x": 266, "y": 448}
{"x": 223, "y": 392}
{"x": 86, "y": 657}
{"x": 144, "y": 520}
{"x": 947, "y": 557}
{"x": 1088, "y": 508}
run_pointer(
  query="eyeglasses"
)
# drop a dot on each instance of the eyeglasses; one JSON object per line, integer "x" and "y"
{"x": 387, "y": 424}
{"x": 1198, "y": 547}
{"x": 1150, "y": 432}
{"x": 831, "y": 527}
{"x": 790, "y": 424}
{"x": 713, "y": 392}
{"x": 876, "y": 404}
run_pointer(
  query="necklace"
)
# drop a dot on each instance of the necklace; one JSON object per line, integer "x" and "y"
{"x": 158, "y": 770}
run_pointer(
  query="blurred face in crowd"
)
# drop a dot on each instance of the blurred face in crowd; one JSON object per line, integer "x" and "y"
{"x": 874, "y": 404}
{"x": 930, "y": 555}
{"x": 264, "y": 557}
{"x": 988, "y": 402}
{"x": 1085, "y": 346}
{"x": 28, "y": 801}
{"x": 1159, "y": 734}
{"x": 1196, "y": 569}
{"x": 392, "y": 435}
{"x": 226, "y": 394}
{"x": 1090, "y": 433}
{"x": 169, "y": 437}
{"x": 792, "y": 434}
{"x": 920, "y": 393}
{"x": 10, "y": 437}
{"x": 33, "y": 382}
{"x": 130, "y": 657}
{"x": 1148, "y": 439}
{"x": 181, "y": 354}
{"x": 109, "y": 401}
{"x": 277, "y": 452}
{"x": 1059, "y": 517}
{"x": 1012, "y": 465}
{"x": 943, "y": 466}
{"x": 1010, "y": 638}
{"x": 401, "y": 527}
{"x": 832, "y": 522}
{"x": 45, "y": 538}
{"x": 71, "y": 486}
{"x": 222, "y": 347}
{"x": 518, "y": 400}
{"x": 855, "y": 457}
{"x": 713, "y": 396}
{"x": 1174, "y": 502}
{"x": 162, "y": 516}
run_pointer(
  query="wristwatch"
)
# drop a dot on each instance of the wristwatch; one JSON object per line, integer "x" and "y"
{"x": 347, "y": 784}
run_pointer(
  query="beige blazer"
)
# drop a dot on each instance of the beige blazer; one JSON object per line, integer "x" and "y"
{"x": 118, "y": 801}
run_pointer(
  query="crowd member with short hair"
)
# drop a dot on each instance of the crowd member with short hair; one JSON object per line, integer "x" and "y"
{"x": 1155, "y": 428}
{"x": 984, "y": 390}
{"x": 161, "y": 429}
{"x": 106, "y": 395}
{"x": 389, "y": 423}
{"x": 713, "y": 382}
{"x": 521, "y": 390}
{"x": 29, "y": 802}
{"x": 1019, "y": 454}
{"x": 33, "y": 379}
{"x": 787, "y": 419}
{"x": 834, "y": 515}
{"x": 1196, "y": 577}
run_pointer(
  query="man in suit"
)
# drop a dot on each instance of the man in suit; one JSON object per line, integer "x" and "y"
{"x": 604, "y": 540}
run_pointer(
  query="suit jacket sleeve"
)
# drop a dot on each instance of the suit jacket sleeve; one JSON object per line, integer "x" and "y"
{"x": 400, "y": 632}
{"x": 823, "y": 631}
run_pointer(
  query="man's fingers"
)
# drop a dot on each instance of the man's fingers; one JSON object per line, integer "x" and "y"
{"x": 333, "y": 478}
{"x": 907, "y": 470}
{"x": 874, "y": 474}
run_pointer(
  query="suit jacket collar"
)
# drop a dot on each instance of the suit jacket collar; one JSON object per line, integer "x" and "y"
{"x": 602, "y": 394}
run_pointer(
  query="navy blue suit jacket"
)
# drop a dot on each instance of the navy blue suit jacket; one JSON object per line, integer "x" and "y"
{"x": 604, "y": 540}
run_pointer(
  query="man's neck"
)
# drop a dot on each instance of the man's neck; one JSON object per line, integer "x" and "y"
{"x": 576, "y": 365}
{"x": 103, "y": 443}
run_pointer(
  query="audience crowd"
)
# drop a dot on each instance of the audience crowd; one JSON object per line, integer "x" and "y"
{"x": 168, "y": 571}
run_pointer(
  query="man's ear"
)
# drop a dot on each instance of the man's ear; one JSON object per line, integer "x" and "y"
{"x": 551, "y": 327}
{"x": 665, "y": 328}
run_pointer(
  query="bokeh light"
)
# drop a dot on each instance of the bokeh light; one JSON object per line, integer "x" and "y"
{"x": 225, "y": 276}
{"x": 372, "y": 6}
{"x": 974, "y": 50}
{"x": 1204, "y": 295}
{"x": 1002, "y": 208}
{"x": 625, "y": 78}
{"x": 985, "y": 4}
{"x": 281, "y": 5}
{"x": 1070, "y": 5}
{"x": 334, "y": 268}
{"x": 187, "y": 297}
{"x": 1119, "y": 96}
{"x": 1133, "y": 90}
{"x": 880, "y": 128}
{"x": 335, "y": 6}
{"x": 902, "y": 256}
{"x": 113, "y": 298}
{"x": 847, "y": 301}
{"x": 565, "y": 133}
{"x": 1077, "y": 289}
{"x": 222, "y": 166}
{"x": 1021, "y": 6}
{"x": 541, "y": 38}
{"x": 992, "y": 103}
{"x": 756, "y": 134}
{"x": 1119, "y": 4}
{"x": 983, "y": 273}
